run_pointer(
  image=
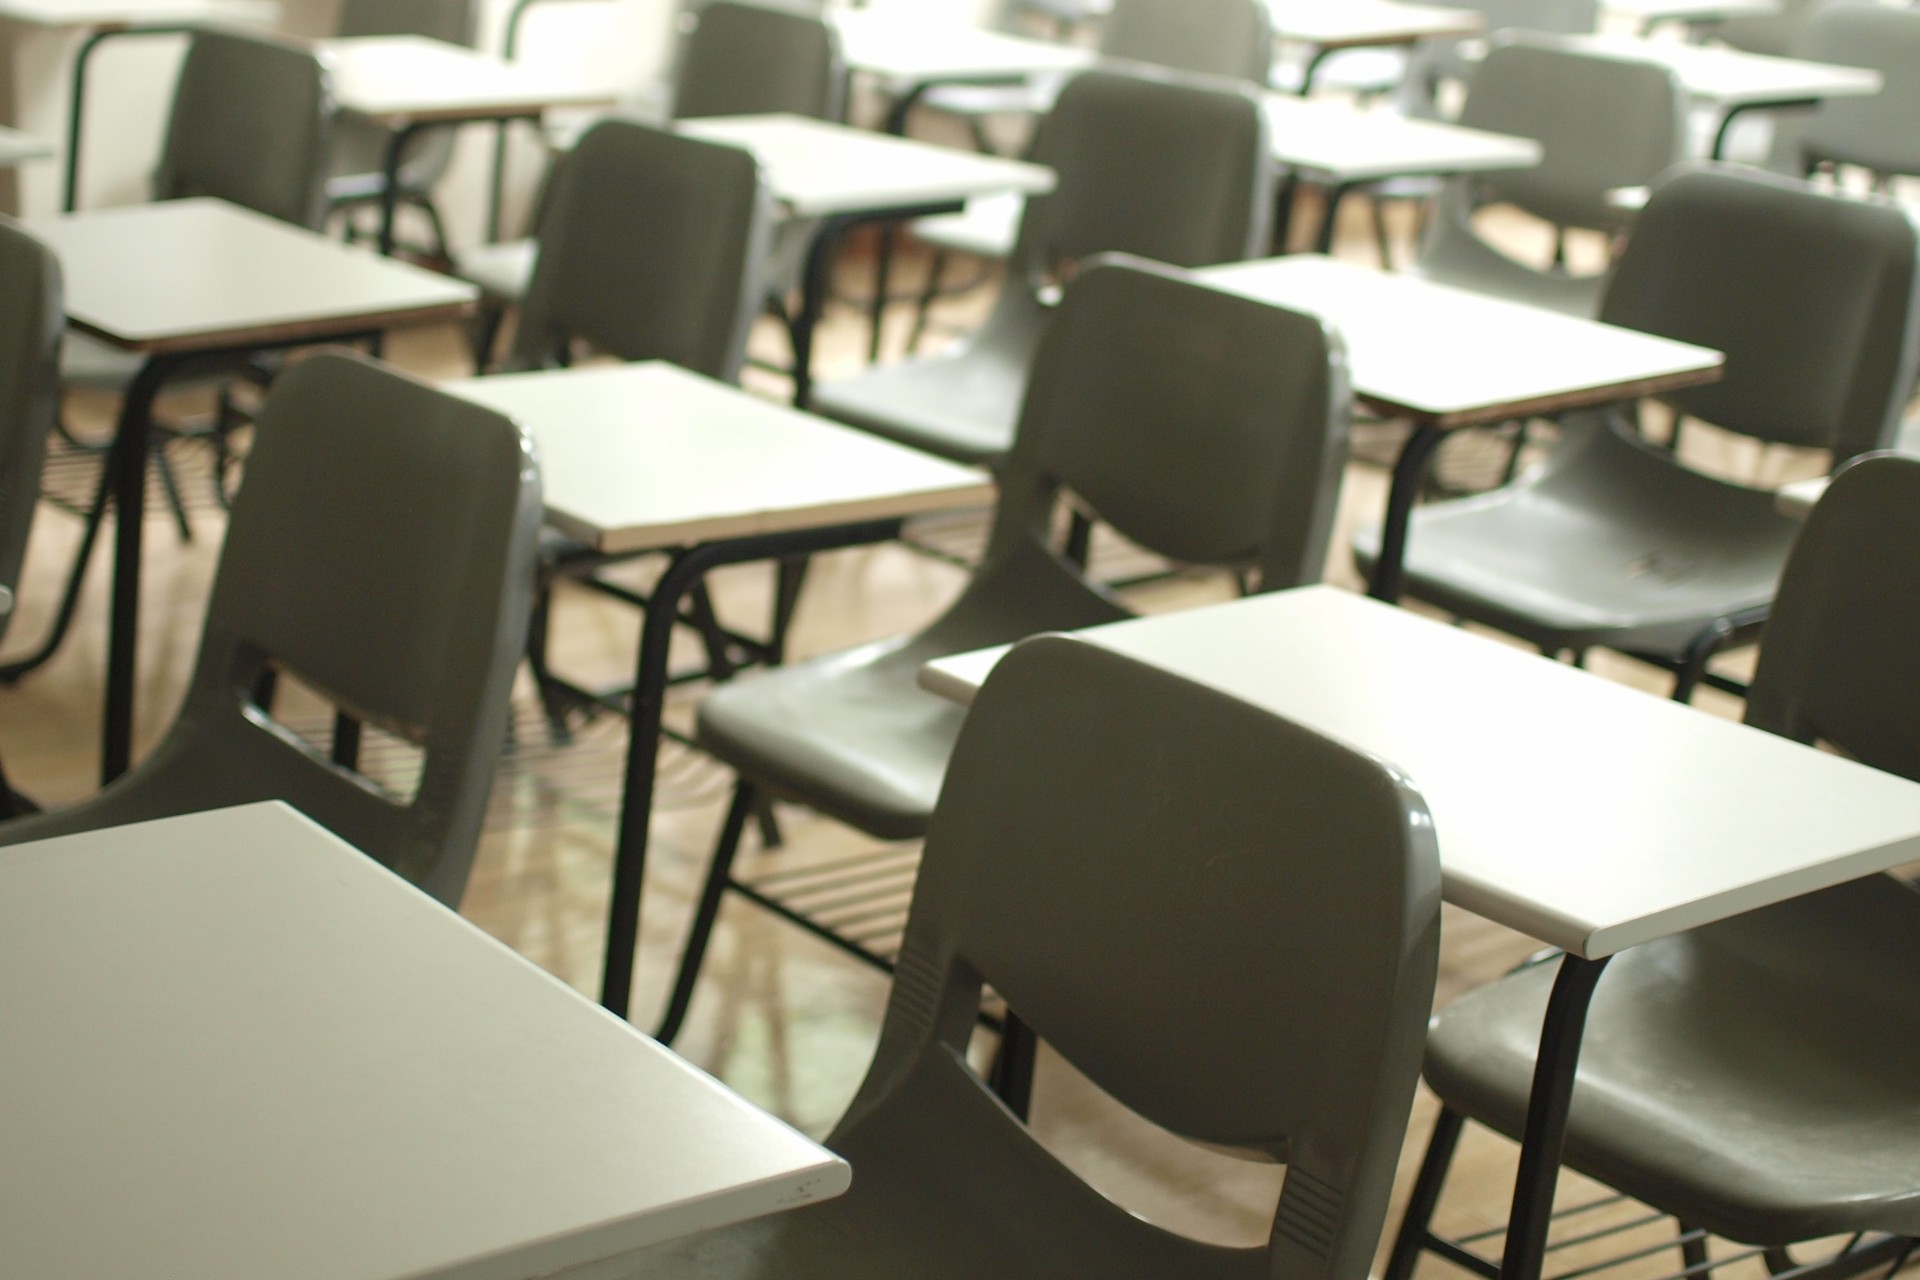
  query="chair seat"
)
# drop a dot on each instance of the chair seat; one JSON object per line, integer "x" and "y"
{"x": 1609, "y": 542}
{"x": 502, "y": 270}
{"x": 1031, "y": 97}
{"x": 960, "y": 406}
{"x": 1470, "y": 264}
{"x": 849, "y": 733}
{"x": 1724, "y": 1070}
{"x": 89, "y": 362}
{"x": 986, "y": 229}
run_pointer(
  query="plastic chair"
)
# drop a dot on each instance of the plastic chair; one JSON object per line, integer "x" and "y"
{"x": 1613, "y": 541}
{"x": 1755, "y": 1077}
{"x": 251, "y": 123}
{"x": 1172, "y": 171}
{"x": 1224, "y": 447}
{"x": 652, "y": 250}
{"x": 1871, "y": 132}
{"x": 32, "y": 322}
{"x": 741, "y": 59}
{"x": 1777, "y": 33}
{"x": 357, "y": 169}
{"x": 381, "y": 552}
{"x": 1230, "y": 39}
{"x": 1602, "y": 122}
{"x": 1172, "y": 920}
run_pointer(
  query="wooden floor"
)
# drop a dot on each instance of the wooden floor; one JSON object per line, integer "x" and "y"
{"x": 785, "y": 1019}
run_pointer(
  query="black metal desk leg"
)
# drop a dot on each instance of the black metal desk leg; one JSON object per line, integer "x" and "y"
{"x": 129, "y": 467}
{"x": 390, "y": 186}
{"x": 1540, "y": 1147}
{"x": 1336, "y": 192}
{"x": 1409, "y": 473}
{"x": 815, "y": 284}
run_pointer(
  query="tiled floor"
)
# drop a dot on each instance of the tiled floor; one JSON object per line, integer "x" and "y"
{"x": 782, "y": 1017}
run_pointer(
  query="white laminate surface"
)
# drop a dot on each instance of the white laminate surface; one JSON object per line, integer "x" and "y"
{"x": 1592, "y": 816}
{"x": 818, "y": 169}
{"x": 1342, "y": 143}
{"x": 903, "y": 53}
{"x": 236, "y": 1048}
{"x": 1455, "y": 357}
{"x": 114, "y": 13}
{"x": 1647, "y": 11}
{"x": 201, "y": 274}
{"x": 1733, "y": 77}
{"x": 397, "y": 80}
{"x": 1339, "y": 24}
{"x": 18, "y": 148}
{"x": 639, "y": 456}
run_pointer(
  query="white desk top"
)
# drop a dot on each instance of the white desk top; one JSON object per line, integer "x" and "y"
{"x": 818, "y": 169}
{"x": 903, "y": 53}
{"x": 1338, "y": 141}
{"x": 187, "y": 275}
{"x": 398, "y": 80}
{"x": 1732, "y": 77}
{"x": 1347, "y": 24}
{"x": 237, "y": 1048}
{"x": 1454, "y": 357}
{"x": 648, "y": 455}
{"x": 117, "y": 13}
{"x": 1590, "y": 815}
{"x": 1645, "y": 11}
{"x": 18, "y": 148}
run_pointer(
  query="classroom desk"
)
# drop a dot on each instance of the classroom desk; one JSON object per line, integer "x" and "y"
{"x": 906, "y": 59}
{"x": 1447, "y": 358}
{"x": 1650, "y": 12}
{"x": 1732, "y": 81}
{"x": 410, "y": 83}
{"x": 644, "y": 456}
{"x": 846, "y": 177}
{"x": 199, "y": 283}
{"x": 1590, "y": 815}
{"x": 1342, "y": 147}
{"x": 239, "y": 1048}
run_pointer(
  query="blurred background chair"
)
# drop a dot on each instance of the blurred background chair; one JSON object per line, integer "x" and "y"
{"x": 1614, "y": 541}
{"x": 1872, "y": 132}
{"x": 1168, "y": 170}
{"x": 357, "y": 170}
{"x": 1224, "y": 449}
{"x": 1602, "y": 123}
{"x": 251, "y": 123}
{"x": 32, "y": 322}
{"x": 1754, "y": 1078}
{"x": 740, "y": 59}
{"x": 1100, "y": 888}
{"x": 381, "y": 553}
{"x": 1227, "y": 39}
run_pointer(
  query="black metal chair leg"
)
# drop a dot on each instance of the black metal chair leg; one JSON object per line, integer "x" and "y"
{"x": 552, "y": 702}
{"x": 70, "y": 598}
{"x": 485, "y": 332}
{"x": 1079, "y": 548}
{"x": 1693, "y": 1250}
{"x": 700, "y": 932}
{"x": 1416, "y": 1225}
{"x": 923, "y": 309}
{"x": 171, "y": 487}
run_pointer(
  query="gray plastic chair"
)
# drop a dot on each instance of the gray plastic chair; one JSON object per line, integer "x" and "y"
{"x": 381, "y": 552}
{"x": 1234, "y": 932}
{"x": 1602, "y": 122}
{"x": 357, "y": 167}
{"x": 1172, "y": 171}
{"x": 741, "y": 59}
{"x": 652, "y": 250}
{"x": 1222, "y": 445}
{"x": 1873, "y": 132}
{"x": 1755, "y": 1077}
{"x": 1229, "y": 39}
{"x": 32, "y": 322}
{"x": 1611, "y": 540}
